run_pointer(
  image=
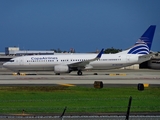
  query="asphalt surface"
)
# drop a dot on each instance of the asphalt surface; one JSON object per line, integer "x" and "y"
{"x": 108, "y": 77}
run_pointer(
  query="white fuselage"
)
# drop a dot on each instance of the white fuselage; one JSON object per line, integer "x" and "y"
{"x": 47, "y": 62}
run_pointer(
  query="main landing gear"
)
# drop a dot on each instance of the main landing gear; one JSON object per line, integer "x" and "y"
{"x": 18, "y": 73}
{"x": 79, "y": 72}
{"x": 57, "y": 73}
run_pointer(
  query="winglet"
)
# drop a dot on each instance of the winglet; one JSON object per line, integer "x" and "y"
{"x": 100, "y": 54}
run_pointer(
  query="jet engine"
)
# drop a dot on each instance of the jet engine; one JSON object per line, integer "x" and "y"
{"x": 61, "y": 69}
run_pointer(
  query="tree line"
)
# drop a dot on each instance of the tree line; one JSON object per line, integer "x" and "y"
{"x": 107, "y": 51}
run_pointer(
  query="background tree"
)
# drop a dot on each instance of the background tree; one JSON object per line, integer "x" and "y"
{"x": 112, "y": 50}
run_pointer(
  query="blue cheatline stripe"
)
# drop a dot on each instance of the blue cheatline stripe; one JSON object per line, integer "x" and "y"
{"x": 143, "y": 52}
{"x": 139, "y": 46}
{"x": 139, "y": 49}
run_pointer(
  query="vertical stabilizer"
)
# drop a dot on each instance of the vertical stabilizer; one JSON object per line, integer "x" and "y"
{"x": 143, "y": 45}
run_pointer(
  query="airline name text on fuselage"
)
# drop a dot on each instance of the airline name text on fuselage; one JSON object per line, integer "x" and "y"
{"x": 43, "y": 58}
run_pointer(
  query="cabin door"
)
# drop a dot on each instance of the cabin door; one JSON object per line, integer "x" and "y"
{"x": 21, "y": 62}
{"x": 128, "y": 59}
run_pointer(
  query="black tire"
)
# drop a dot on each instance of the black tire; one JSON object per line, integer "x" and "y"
{"x": 57, "y": 73}
{"x": 79, "y": 72}
{"x": 18, "y": 73}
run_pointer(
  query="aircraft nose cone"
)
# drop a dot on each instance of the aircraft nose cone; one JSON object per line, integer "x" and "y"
{"x": 5, "y": 65}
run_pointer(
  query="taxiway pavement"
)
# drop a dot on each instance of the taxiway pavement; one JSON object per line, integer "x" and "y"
{"x": 112, "y": 77}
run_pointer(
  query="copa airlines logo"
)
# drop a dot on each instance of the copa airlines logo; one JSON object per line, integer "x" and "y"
{"x": 139, "y": 48}
{"x": 43, "y": 58}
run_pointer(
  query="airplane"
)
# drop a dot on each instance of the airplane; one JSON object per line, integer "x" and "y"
{"x": 138, "y": 53}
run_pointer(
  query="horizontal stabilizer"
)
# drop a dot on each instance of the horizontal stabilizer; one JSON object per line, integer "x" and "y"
{"x": 144, "y": 58}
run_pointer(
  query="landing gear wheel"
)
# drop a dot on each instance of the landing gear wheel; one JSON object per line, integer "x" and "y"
{"x": 18, "y": 73}
{"x": 57, "y": 73}
{"x": 79, "y": 72}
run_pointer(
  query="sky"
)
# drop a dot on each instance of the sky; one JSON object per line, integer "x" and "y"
{"x": 85, "y": 25}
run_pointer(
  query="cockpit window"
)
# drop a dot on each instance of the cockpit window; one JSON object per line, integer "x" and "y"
{"x": 11, "y": 61}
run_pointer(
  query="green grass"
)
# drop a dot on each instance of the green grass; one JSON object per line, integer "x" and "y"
{"x": 53, "y": 99}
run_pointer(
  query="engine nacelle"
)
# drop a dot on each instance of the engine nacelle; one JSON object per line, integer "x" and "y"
{"x": 61, "y": 69}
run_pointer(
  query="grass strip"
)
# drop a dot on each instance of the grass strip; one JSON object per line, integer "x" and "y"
{"x": 53, "y": 99}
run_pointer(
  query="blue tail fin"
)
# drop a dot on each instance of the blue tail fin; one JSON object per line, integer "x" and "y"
{"x": 143, "y": 45}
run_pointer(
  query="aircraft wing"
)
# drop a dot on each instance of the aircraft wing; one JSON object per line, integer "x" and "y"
{"x": 84, "y": 63}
